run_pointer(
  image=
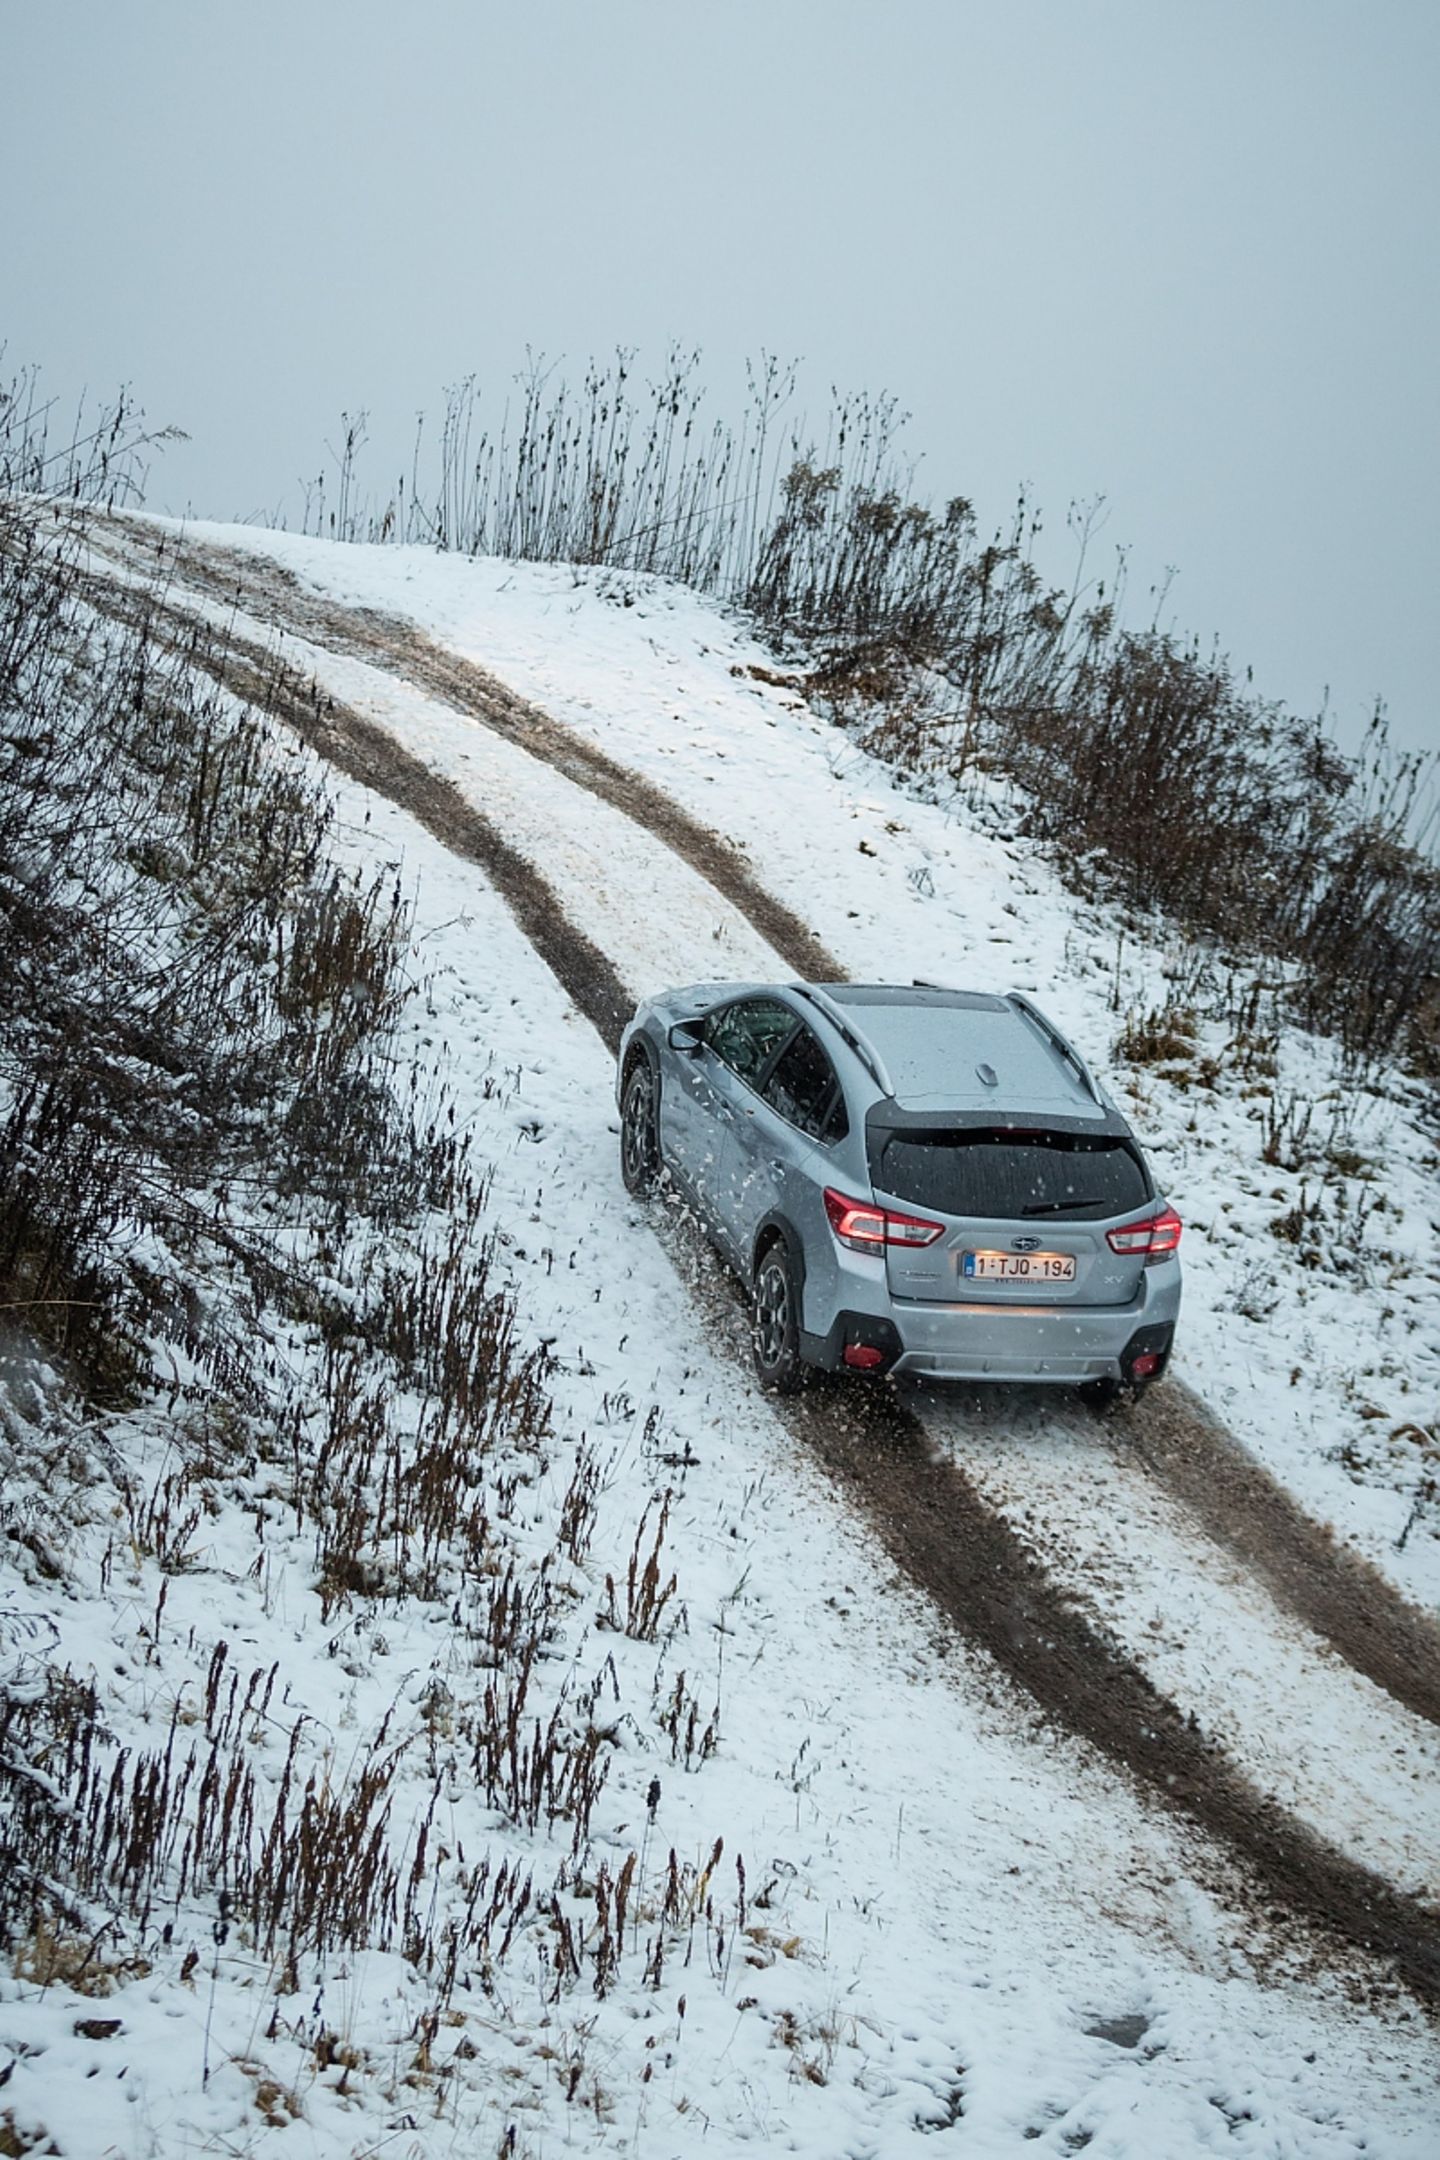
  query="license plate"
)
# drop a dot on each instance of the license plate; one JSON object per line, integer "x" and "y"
{"x": 1018, "y": 1266}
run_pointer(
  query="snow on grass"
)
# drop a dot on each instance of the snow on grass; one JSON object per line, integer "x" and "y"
{"x": 954, "y": 1917}
{"x": 1317, "y": 1342}
{"x": 1250, "y": 1672}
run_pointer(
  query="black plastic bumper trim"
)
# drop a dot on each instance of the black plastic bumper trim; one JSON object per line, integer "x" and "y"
{"x": 828, "y": 1350}
{"x": 1152, "y": 1341}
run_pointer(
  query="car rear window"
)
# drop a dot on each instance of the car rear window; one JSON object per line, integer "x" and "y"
{"x": 1003, "y": 1175}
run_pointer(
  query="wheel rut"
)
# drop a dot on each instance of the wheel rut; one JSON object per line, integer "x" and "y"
{"x": 390, "y": 642}
{"x": 1327, "y": 1586}
{"x": 365, "y": 752}
{"x": 950, "y": 1542}
{"x": 924, "y": 1510}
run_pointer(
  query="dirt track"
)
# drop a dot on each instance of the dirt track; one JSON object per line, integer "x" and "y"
{"x": 269, "y": 592}
{"x": 357, "y": 747}
{"x": 925, "y": 1511}
{"x": 1324, "y": 1584}
{"x": 951, "y": 1543}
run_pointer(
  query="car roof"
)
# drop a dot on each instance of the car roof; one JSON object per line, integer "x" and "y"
{"x": 967, "y": 1050}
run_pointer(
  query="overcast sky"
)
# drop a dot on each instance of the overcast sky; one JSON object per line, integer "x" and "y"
{"x": 1179, "y": 253}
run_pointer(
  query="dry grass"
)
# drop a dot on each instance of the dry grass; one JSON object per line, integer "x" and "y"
{"x": 198, "y": 1039}
{"x": 1148, "y": 762}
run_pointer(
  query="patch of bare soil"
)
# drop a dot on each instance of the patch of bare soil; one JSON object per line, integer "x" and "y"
{"x": 924, "y": 1510}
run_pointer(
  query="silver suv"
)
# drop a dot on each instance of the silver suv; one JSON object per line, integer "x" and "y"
{"x": 920, "y": 1180}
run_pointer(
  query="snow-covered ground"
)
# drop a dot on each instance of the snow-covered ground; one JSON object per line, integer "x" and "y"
{"x": 957, "y": 1922}
{"x": 1330, "y": 1374}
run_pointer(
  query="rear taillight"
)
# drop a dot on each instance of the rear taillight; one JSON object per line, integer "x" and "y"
{"x": 867, "y": 1228}
{"x": 1151, "y": 1240}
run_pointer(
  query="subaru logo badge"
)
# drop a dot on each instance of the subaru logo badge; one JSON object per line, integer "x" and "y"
{"x": 1024, "y": 1244}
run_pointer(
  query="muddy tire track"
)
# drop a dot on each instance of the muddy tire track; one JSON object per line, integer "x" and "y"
{"x": 926, "y": 1513}
{"x": 365, "y": 752}
{"x": 937, "y": 1527}
{"x": 944, "y": 1536}
{"x": 1324, "y": 1583}
{"x": 1313, "y": 1575}
{"x": 273, "y": 593}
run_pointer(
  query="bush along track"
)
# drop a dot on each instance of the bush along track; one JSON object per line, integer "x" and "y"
{"x": 1149, "y": 764}
{"x": 926, "y": 1512}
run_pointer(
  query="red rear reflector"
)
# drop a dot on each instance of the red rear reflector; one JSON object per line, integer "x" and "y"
{"x": 1153, "y": 1239}
{"x": 863, "y": 1355}
{"x": 867, "y": 1228}
{"x": 1147, "y": 1362}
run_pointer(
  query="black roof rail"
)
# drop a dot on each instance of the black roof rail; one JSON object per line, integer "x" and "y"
{"x": 1051, "y": 1034}
{"x": 868, "y": 1055}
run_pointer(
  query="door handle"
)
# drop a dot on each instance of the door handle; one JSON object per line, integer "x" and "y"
{"x": 777, "y": 1166}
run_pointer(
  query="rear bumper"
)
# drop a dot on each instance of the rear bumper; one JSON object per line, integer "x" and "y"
{"x": 1037, "y": 1344}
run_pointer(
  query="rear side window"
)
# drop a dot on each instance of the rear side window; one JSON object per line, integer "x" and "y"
{"x": 744, "y": 1035}
{"x": 1003, "y": 1175}
{"x": 803, "y": 1087}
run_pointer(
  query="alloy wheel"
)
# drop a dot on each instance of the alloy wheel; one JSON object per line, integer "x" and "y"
{"x": 639, "y": 1153}
{"x": 772, "y": 1313}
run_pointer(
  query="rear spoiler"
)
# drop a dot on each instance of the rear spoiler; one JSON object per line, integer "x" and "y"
{"x": 891, "y": 1117}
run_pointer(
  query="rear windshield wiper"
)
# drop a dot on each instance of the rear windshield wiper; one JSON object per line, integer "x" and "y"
{"x": 1058, "y": 1207}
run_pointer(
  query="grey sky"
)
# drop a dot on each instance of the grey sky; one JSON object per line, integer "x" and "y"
{"x": 1181, "y": 253}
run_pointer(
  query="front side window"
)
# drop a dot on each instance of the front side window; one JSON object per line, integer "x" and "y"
{"x": 744, "y": 1035}
{"x": 802, "y": 1085}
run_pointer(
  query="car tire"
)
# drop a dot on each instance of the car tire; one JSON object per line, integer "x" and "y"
{"x": 640, "y": 1129}
{"x": 775, "y": 1322}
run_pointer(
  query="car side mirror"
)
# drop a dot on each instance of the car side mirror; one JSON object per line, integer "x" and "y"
{"x": 687, "y": 1036}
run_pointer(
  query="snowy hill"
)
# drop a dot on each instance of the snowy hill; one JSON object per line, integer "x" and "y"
{"x": 815, "y": 1857}
{"x": 1302, "y": 1363}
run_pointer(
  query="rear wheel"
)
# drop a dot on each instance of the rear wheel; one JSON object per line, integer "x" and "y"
{"x": 775, "y": 1322}
{"x": 640, "y": 1130}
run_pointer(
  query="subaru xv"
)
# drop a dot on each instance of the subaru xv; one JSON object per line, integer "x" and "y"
{"x": 914, "y": 1180}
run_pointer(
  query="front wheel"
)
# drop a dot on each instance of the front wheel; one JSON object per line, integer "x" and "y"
{"x": 775, "y": 1323}
{"x": 640, "y": 1130}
